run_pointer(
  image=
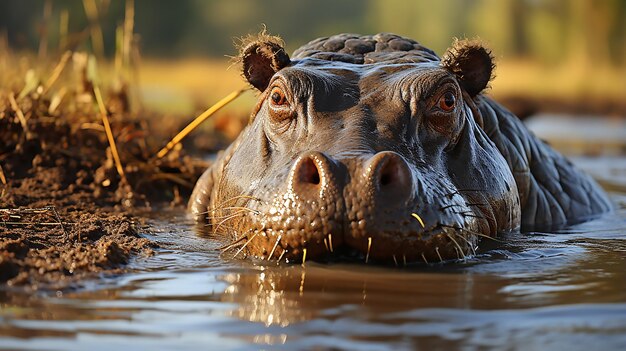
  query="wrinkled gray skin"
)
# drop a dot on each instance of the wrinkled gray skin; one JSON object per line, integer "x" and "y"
{"x": 360, "y": 151}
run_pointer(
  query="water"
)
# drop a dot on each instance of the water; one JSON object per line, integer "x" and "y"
{"x": 562, "y": 290}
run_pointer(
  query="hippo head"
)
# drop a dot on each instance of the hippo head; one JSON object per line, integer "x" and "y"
{"x": 380, "y": 155}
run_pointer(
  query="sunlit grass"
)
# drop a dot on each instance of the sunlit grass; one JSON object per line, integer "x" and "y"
{"x": 188, "y": 86}
{"x": 566, "y": 81}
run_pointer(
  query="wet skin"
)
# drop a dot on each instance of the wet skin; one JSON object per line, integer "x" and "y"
{"x": 373, "y": 145}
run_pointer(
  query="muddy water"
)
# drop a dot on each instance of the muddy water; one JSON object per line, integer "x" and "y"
{"x": 560, "y": 290}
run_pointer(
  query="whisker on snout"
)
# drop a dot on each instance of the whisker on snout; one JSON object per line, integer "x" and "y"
{"x": 226, "y": 219}
{"x": 230, "y": 215}
{"x": 473, "y": 215}
{"x": 231, "y": 244}
{"x": 471, "y": 232}
{"x": 274, "y": 248}
{"x": 241, "y": 208}
{"x": 246, "y": 244}
{"x": 456, "y": 244}
{"x": 330, "y": 242}
{"x": 220, "y": 206}
{"x": 468, "y": 243}
{"x": 281, "y": 256}
{"x": 237, "y": 198}
{"x": 419, "y": 219}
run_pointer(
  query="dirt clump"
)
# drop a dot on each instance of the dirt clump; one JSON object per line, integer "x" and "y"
{"x": 36, "y": 249}
{"x": 68, "y": 200}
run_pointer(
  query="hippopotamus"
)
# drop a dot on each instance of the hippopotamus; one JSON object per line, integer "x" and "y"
{"x": 374, "y": 147}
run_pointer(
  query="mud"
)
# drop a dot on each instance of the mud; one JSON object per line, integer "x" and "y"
{"x": 55, "y": 256}
{"x": 65, "y": 211}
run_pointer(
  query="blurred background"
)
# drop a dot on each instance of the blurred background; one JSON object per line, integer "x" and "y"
{"x": 548, "y": 31}
{"x": 555, "y": 56}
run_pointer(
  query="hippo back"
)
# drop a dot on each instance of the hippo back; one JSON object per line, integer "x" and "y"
{"x": 552, "y": 190}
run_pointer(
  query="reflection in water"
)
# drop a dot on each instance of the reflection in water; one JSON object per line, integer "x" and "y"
{"x": 286, "y": 295}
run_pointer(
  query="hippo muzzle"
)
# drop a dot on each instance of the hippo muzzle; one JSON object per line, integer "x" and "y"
{"x": 367, "y": 205}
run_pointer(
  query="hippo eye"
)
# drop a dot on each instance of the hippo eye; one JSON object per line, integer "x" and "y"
{"x": 447, "y": 101}
{"x": 278, "y": 97}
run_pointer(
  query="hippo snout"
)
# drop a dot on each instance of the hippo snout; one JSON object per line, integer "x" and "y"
{"x": 363, "y": 194}
{"x": 383, "y": 178}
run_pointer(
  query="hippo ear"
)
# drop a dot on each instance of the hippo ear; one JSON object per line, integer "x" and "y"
{"x": 472, "y": 63}
{"x": 262, "y": 56}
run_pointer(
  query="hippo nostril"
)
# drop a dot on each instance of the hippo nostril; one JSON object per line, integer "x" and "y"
{"x": 308, "y": 172}
{"x": 385, "y": 179}
{"x": 315, "y": 179}
{"x": 312, "y": 175}
{"x": 392, "y": 173}
{"x": 389, "y": 176}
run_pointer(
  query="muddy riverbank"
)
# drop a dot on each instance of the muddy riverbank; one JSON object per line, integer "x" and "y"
{"x": 69, "y": 195}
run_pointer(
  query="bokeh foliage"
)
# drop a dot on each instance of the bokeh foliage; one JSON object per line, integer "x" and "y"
{"x": 548, "y": 31}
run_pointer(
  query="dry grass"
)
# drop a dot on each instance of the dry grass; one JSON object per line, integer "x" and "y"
{"x": 188, "y": 86}
{"x": 184, "y": 86}
{"x": 569, "y": 81}
{"x": 199, "y": 120}
{"x": 62, "y": 111}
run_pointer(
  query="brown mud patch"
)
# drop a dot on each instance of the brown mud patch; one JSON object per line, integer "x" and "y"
{"x": 47, "y": 253}
{"x": 66, "y": 210}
